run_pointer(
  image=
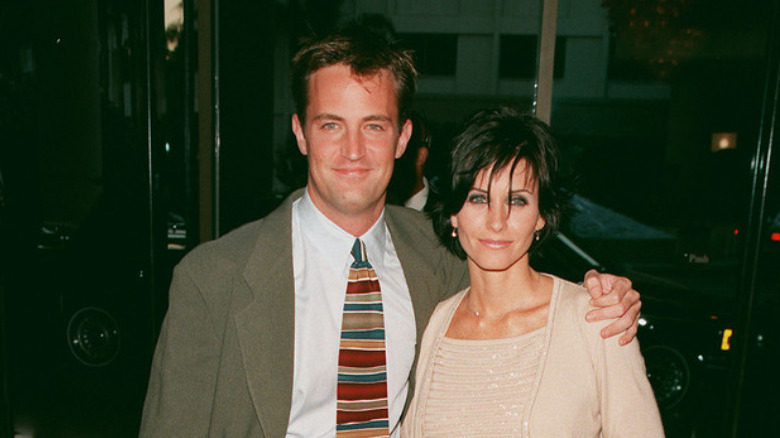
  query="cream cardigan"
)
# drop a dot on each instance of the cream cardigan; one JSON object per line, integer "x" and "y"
{"x": 585, "y": 386}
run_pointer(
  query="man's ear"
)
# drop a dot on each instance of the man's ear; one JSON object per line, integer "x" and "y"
{"x": 403, "y": 138}
{"x": 300, "y": 138}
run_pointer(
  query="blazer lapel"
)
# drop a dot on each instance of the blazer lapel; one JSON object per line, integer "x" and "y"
{"x": 266, "y": 327}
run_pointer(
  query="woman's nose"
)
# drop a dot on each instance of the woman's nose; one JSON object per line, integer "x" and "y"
{"x": 497, "y": 217}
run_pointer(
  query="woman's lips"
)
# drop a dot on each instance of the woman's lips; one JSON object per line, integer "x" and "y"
{"x": 495, "y": 244}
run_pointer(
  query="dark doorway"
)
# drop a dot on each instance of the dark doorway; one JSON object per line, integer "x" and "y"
{"x": 76, "y": 219}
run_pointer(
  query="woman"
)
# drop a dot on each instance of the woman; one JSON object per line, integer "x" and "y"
{"x": 512, "y": 355}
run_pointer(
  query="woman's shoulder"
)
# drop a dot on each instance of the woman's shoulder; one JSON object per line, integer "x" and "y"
{"x": 571, "y": 295}
{"x": 573, "y": 303}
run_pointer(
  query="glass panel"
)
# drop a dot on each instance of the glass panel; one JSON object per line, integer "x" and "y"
{"x": 658, "y": 116}
{"x": 246, "y": 68}
{"x": 760, "y": 401}
{"x": 177, "y": 125}
{"x": 75, "y": 230}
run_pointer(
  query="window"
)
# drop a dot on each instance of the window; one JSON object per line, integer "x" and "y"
{"x": 434, "y": 54}
{"x": 518, "y": 57}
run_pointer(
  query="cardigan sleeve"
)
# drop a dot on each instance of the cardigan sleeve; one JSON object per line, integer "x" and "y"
{"x": 627, "y": 403}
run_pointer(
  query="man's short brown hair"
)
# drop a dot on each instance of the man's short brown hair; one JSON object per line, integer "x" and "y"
{"x": 366, "y": 52}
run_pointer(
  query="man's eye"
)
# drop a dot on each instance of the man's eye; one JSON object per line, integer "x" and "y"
{"x": 329, "y": 125}
{"x": 477, "y": 198}
{"x": 375, "y": 127}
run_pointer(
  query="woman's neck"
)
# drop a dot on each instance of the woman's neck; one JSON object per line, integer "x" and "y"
{"x": 496, "y": 293}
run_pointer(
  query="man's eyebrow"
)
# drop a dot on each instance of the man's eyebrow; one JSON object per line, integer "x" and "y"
{"x": 373, "y": 117}
{"x": 378, "y": 118}
{"x": 327, "y": 116}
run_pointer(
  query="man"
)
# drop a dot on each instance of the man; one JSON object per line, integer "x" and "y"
{"x": 250, "y": 344}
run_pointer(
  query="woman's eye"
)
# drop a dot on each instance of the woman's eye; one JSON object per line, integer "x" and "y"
{"x": 477, "y": 198}
{"x": 518, "y": 200}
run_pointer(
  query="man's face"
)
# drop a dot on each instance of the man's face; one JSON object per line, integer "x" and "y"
{"x": 351, "y": 138}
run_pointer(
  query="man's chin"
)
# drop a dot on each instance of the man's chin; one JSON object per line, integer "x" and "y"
{"x": 356, "y": 204}
{"x": 352, "y": 198}
{"x": 358, "y": 201}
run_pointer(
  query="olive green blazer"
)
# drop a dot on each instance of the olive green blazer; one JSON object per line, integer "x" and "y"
{"x": 223, "y": 365}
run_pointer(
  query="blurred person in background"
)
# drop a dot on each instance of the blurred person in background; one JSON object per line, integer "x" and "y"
{"x": 409, "y": 185}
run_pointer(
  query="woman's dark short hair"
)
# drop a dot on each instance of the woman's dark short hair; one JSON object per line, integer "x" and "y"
{"x": 366, "y": 52}
{"x": 499, "y": 138}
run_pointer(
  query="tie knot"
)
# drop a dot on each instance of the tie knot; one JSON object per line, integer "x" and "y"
{"x": 359, "y": 251}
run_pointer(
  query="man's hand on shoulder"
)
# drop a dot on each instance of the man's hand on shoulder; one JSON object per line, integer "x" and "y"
{"x": 615, "y": 298}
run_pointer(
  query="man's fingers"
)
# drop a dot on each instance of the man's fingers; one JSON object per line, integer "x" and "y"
{"x": 629, "y": 335}
{"x": 627, "y": 323}
{"x": 621, "y": 293}
{"x": 607, "y": 300}
{"x": 593, "y": 283}
{"x": 619, "y": 286}
{"x": 610, "y": 312}
{"x": 615, "y": 298}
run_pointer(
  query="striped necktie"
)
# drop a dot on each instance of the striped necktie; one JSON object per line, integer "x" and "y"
{"x": 362, "y": 381}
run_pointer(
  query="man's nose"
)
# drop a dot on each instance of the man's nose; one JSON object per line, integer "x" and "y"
{"x": 353, "y": 147}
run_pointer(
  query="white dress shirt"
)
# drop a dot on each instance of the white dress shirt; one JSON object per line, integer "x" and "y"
{"x": 418, "y": 200}
{"x": 321, "y": 261}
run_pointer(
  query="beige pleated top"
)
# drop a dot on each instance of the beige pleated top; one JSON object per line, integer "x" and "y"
{"x": 482, "y": 388}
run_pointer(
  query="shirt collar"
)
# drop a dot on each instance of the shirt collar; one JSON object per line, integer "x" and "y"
{"x": 332, "y": 240}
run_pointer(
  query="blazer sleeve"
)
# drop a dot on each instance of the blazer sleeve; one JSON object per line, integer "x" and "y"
{"x": 628, "y": 405}
{"x": 184, "y": 369}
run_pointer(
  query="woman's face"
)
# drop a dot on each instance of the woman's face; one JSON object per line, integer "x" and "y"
{"x": 496, "y": 229}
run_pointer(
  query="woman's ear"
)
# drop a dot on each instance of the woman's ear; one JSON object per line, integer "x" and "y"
{"x": 454, "y": 221}
{"x": 540, "y": 223}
